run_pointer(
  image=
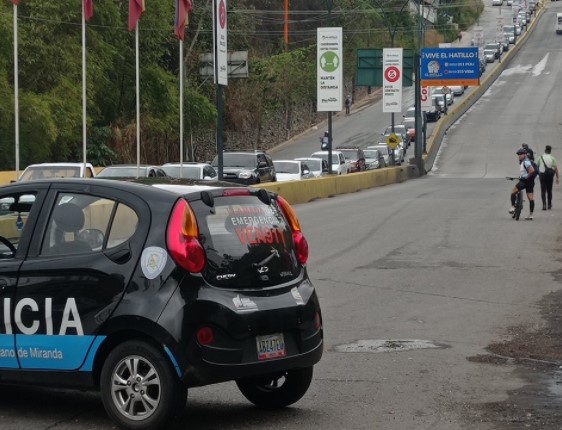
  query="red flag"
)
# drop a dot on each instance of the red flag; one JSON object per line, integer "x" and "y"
{"x": 183, "y": 7}
{"x": 136, "y": 8}
{"x": 16, "y": 2}
{"x": 88, "y": 9}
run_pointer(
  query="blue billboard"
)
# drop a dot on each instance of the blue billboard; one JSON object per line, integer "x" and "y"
{"x": 450, "y": 66}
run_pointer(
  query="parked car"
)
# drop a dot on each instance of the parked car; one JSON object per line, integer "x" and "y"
{"x": 495, "y": 47}
{"x": 191, "y": 170}
{"x": 490, "y": 55}
{"x": 339, "y": 164}
{"x": 57, "y": 170}
{"x": 448, "y": 94}
{"x": 400, "y": 129}
{"x": 292, "y": 170}
{"x": 434, "y": 112}
{"x": 145, "y": 291}
{"x": 246, "y": 167}
{"x": 510, "y": 30}
{"x": 409, "y": 121}
{"x": 354, "y": 158}
{"x": 317, "y": 166}
{"x": 132, "y": 171}
{"x": 457, "y": 90}
{"x": 374, "y": 158}
{"x": 399, "y": 153}
{"x": 439, "y": 100}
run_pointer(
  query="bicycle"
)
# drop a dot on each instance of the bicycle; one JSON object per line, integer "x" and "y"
{"x": 518, "y": 201}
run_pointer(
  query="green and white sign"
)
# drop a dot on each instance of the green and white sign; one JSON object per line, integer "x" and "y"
{"x": 330, "y": 69}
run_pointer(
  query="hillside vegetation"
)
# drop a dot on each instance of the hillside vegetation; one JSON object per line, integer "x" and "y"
{"x": 274, "y": 102}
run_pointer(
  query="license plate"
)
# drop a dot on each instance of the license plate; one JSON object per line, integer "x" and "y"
{"x": 271, "y": 346}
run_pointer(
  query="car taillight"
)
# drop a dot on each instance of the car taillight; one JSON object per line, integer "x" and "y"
{"x": 301, "y": 245}
{"x": 182, "y": 239}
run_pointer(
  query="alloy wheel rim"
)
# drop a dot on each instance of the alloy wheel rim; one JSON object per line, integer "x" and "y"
{"x": 136, "y": 388}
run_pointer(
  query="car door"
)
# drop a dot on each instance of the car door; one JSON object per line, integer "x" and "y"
{"x": 19, "y": 208}
{"x": 81, "y": 258}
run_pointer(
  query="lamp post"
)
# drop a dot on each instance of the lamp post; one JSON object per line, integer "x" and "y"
{"x": 417, "y": 94}
{"x": 329, "y": 5}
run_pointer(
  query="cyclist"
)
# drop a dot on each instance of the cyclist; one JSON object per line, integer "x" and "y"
{"x": 526, "y": 182}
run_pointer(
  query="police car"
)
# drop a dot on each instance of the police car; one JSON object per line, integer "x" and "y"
{"x": 142, "y": 291}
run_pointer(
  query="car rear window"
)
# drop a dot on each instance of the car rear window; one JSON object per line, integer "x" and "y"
{"x": 247, "y": 242}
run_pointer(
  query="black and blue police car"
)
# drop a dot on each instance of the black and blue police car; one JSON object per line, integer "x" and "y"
{"x": 144, "y": 290}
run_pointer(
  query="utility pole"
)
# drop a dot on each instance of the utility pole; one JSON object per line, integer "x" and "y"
{"x": 330, "y": 3}
{"x": 417, "y": 94}
{"x": 286, "y": 26}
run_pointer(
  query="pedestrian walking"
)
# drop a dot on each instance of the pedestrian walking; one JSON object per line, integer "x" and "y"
{"x": 459, "y": 36}
{"x": 548, "y": 169}
{"x": 347, "y": 105}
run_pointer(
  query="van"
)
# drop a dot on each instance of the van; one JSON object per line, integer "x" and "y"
{"x": 510, "y": 30}
{"x": 559, "y": 23}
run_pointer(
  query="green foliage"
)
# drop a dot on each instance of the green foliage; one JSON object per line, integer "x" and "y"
{"x": 281, "y": 75}
{"x": 98, "y": 153}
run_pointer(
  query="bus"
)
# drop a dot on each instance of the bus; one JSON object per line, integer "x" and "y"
{"x": 559, "y": 23}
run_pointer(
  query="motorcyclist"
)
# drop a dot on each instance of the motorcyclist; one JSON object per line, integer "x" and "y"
{"x": 324, "y": 141}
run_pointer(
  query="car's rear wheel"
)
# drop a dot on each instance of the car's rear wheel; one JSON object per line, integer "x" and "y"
{"x": 277, "y": 390}
{"x": 139, "y": 388}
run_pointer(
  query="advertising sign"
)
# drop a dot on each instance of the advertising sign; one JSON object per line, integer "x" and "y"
{"x": 219, "y": 39}
{"x": 425, "y": 98}
{"x": 450, "y": 66}
{"x": 329, "y": 54}
{"x": 392, "y": 80}
{"x": 500, "y": 22}
{"x": 478, "y": 35}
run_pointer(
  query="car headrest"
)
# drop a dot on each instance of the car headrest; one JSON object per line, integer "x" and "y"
{"x": 20, "y": 207}
{"x": 69, "y": 217}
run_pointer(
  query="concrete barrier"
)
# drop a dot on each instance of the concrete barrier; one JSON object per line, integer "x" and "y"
{"x": 328, "y": 186}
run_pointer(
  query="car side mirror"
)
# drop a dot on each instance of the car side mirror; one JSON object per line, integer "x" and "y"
{"x": 306, "y": 172}
{"x": 262, "y": 164}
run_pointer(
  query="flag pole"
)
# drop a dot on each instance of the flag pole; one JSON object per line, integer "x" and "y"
{"x": 181, "y": 107}
{"x": 137, "y": 94}
{"x": 16, "y": 92}
{"x": 84, "y": 144}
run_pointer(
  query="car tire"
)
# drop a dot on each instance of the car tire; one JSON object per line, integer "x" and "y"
{"x": 118, "y": 386}
{"x": 277, "y": 390}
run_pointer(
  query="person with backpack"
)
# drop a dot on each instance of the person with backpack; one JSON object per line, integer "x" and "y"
{"x": 528, "y": 171}
{"x": 548, "y": 168}
{"x": 530, "y": 152}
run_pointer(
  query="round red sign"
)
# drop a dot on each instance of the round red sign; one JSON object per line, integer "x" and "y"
{"x": 392, "y": 74}
{"x": 222, "y": 14}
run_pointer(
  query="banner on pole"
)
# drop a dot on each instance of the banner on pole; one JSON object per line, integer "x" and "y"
{"x": 329, "y": 90}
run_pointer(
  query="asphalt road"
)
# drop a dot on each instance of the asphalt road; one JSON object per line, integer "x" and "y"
{"x": 424, "y": 286}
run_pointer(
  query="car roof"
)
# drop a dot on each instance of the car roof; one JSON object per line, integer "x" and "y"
{"x": 186, "y": 163}
{"x": 59, "y": 164}
{"x": 140, "y": 185}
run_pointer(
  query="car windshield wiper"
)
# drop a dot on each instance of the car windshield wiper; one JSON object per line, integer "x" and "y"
{"x": 274, "y": 253}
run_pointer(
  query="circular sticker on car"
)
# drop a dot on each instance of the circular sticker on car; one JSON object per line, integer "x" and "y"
{"x": 153, "y": 261}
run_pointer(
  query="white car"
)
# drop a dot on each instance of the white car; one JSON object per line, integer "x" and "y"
{"x": 339, "y": 164}
{"x": 447, "y": 91}
{"x": 292, "y": 170}
{"x": 387, "y": 153}
{"x": 191, "y": 170}
{"x": 57, "y": 170}
{"x": 318, "y": 167}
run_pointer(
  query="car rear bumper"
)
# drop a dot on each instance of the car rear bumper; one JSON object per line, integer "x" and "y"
{"x": 237, "y": 319}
